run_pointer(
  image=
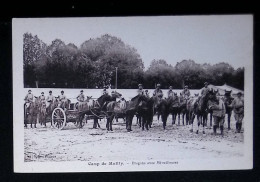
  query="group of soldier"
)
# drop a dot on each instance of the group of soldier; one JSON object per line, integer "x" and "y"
{"x": 218, "y": 109}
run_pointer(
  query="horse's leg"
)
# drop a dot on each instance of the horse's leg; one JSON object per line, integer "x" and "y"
{"x": 204, "y": 120}
{"x": 179, "y": 113}
{"x": 198, "y": 123}
{"x": 110, "y": 122}
{"x": 229, "y": 116}
{"x": 95, "y": 122}
{"x": 210, "y": 119}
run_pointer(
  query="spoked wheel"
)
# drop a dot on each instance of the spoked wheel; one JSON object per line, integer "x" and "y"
{"x": 58, "y": 118}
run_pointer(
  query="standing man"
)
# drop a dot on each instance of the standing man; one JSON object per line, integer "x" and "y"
{"x": 81, "y": 99}
{"x": 158, "y": 92}
{"x": 186, "y": 92}
{"x": 147, "y": 94}
{"x": 218, "y": 113}
{"x": 49, "y": 99}
{"x": 170, "y": 92}
{"x": 140, "y": 89}
{"x": 205, "y": 89}
{"x": 238, "y": 106}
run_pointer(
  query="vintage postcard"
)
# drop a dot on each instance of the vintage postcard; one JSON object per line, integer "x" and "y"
{"x": 109, "y": 94}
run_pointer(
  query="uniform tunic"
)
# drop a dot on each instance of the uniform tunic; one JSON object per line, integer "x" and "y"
{"x": 140, "y": 92}
{"x": 218, "y": 112}
{"x": 81, "y": 97}
{"x": 204, "y": 91}
{"x": 238, "y": 105}
{"x": 157, "y": 92}
{"x": 186, "y": 93}
{"x": 50, "y": 99}
{"x": 170, "y": 93}
{"x": 29, "y": 97}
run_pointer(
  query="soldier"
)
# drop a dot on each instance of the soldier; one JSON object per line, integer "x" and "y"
{"x": 158, "y": 92}
{"x": 105, "y": 90}
{"x": 218, "y": 113}
{"x": 49, "y": 99}
{"x": 62, "y": 98}
{"x": 170, "y": 92}
{"x": 186, "y": 92}
{"x": 238, "y": 106}
{"x": 28, "y": 100}
{"x": 29, "y": 97}
{"x": 42, "y": 98}
{"x": 205, "y": 89}
{"x": 147, "y": 94}
{"x": 81, "y": 99}
{"x": 140, "y": 89}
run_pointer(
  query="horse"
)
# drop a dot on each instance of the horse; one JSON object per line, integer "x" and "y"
{"x": 227, "y": 101}
{"x": 182, "y": 109}
{"x": 174, "y": 108}
{"x": 200, "y": 107}
{"x": 114, "y": 108}
{"x": 42, "y": 113}
{"x": 131, "y": 109}
{"x": 31, "y": 113}
{"x": 163, "y": 108}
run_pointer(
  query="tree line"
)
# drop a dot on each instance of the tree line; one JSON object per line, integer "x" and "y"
{"x": 93, "y": 65}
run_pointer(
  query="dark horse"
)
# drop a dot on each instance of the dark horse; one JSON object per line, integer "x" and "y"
{"x": 174, "y": 107}
{"x": 132, "y": 107}
{"x": 199, "y": 108}
{"x": 228, "y": 100}
{"x": 163, "y": 108}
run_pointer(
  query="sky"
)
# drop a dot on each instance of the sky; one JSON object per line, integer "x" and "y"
{"x": 204, "y": 39}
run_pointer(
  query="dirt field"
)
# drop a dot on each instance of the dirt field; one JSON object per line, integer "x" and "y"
{"x": 176, "y": 142}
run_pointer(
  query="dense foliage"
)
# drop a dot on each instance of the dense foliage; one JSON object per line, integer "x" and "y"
{"x": 93, "y": 65}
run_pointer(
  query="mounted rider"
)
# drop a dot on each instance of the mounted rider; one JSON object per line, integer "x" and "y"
{"x": 158, "y": 92}
{"x": 81, "y": 99}
{"x": 62, "y": 98}
{"x": 170, "y": 92}
{"x": 238, "y": 106}
{"x": 50, "y": 99}
{"x": 104, "y": 92}
{"x": 140, "y": 90}
{"x": 42, "y": 98}
{"x": 205, "y": 89}
{"x": 186, "y": 92}
{"x": 28, "y": 100}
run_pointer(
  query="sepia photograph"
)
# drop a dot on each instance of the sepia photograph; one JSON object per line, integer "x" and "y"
{"x": 155, "y": 93}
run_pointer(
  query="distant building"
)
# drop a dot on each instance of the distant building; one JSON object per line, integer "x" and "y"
{"x": 221, "y": 89}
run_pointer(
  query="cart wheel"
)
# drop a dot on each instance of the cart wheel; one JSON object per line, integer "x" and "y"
{"x": 58, "y": 118}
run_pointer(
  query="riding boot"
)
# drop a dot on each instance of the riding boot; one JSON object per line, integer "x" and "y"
{"x": 222, "y": 129}
{"x": 239, "y": 127}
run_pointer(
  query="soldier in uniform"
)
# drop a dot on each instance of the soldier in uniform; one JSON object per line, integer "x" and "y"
{"x": 62, "y": 98}
{"x": 49, "y": 99}
{"x": 218, "y": 113}
{"x": 140, "y": 89}
{"x": 29, "y": 97}
{"x": 147, "y": 94}
{"x": 105, "y": 90}
{"x": 158, "y": 92}
{"x": 205, "y": 89}
{"x": 28, "y": 100}
{"x": 186, "y": 92}
{"x": 81, "y": 99}
{"x": 238, "y": 106}
{"x": 170, "y": 92}
{"x": 42, "y": 98}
